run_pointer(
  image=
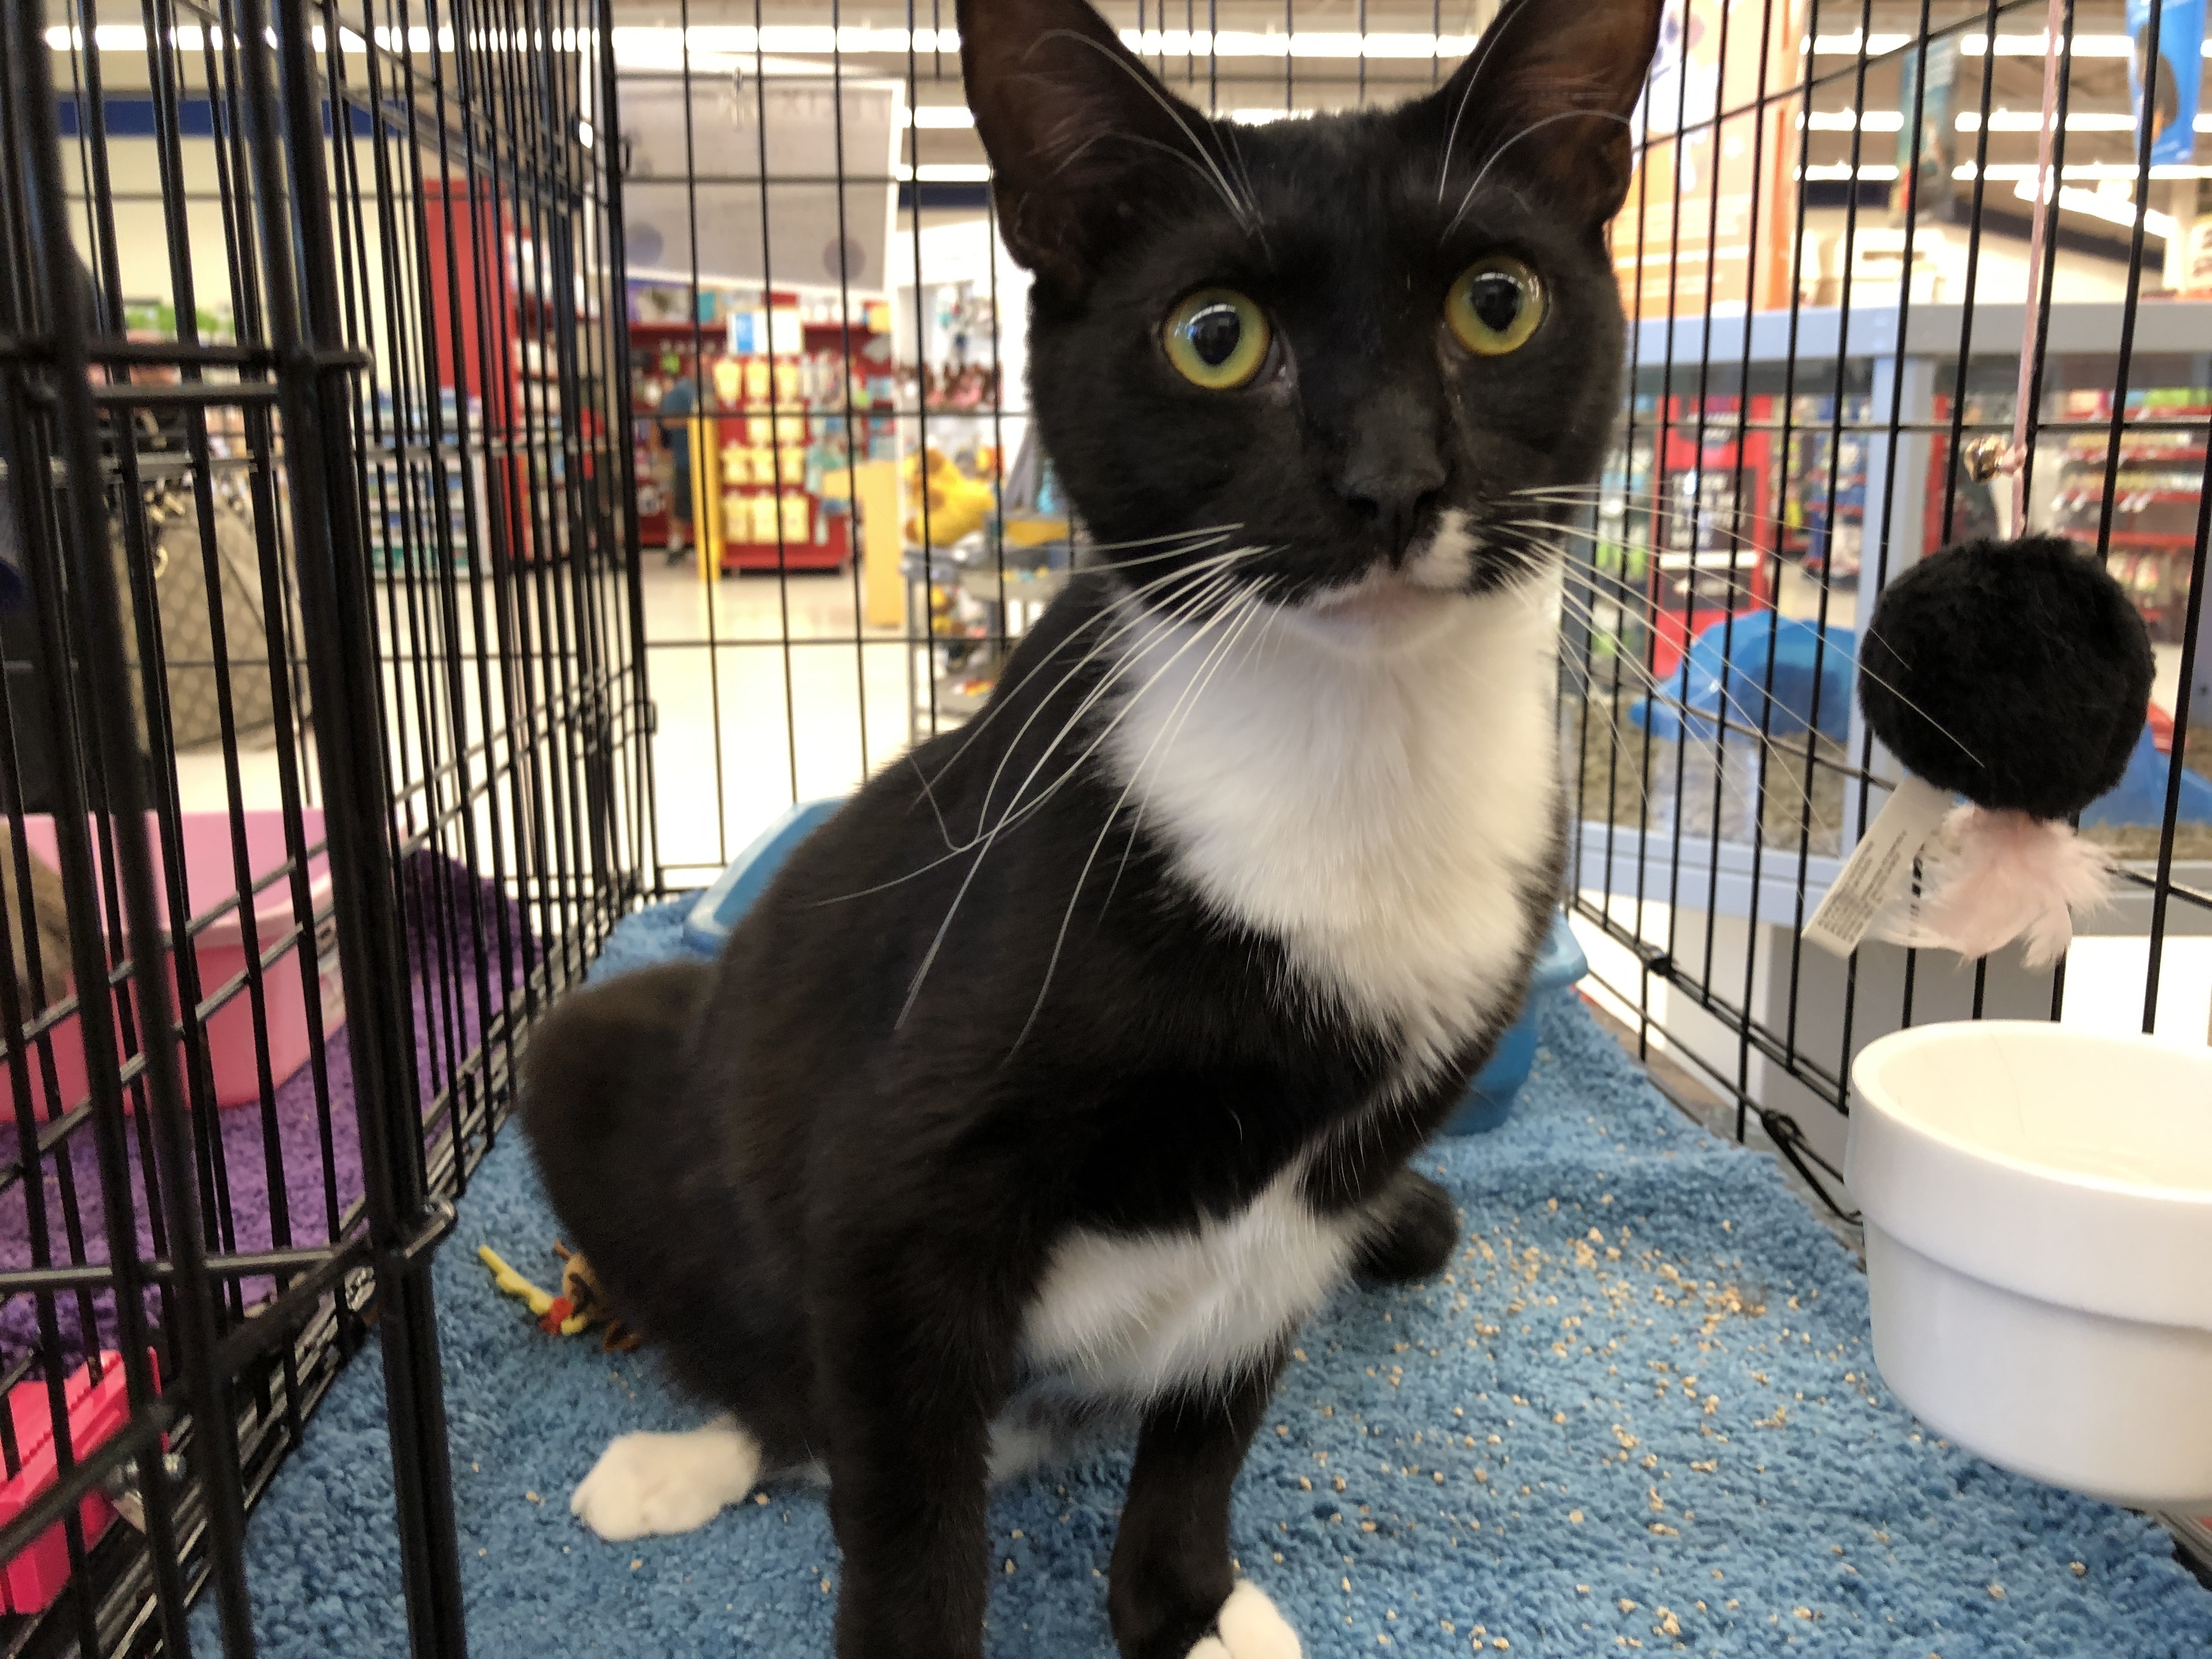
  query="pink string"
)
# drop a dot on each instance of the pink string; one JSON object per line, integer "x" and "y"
{"x": 2046, "y": 207}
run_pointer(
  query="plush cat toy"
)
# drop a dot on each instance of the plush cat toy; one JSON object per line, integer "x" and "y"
{"x": 2016, "y": 674}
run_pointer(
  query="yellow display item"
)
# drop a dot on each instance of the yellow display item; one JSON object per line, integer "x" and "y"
{"x": 958, "y": 503}
{"x": 1035, "y": 531}
{"x": 762, "y": 519}
{"x": 705, "y": 501}
{"x": 874, "y": 487}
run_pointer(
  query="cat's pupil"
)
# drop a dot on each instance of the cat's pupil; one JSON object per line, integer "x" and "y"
{"x": 1496, "y": 299}
{"x": 1214, "y": 333}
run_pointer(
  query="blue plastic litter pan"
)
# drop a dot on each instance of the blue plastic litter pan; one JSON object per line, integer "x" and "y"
{"x": 1489, "y": 1098}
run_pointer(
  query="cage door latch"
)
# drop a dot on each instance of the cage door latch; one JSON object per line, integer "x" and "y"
{"x": 431, "y": 1228}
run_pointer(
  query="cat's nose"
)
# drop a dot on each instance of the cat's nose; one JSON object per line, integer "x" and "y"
{"x": 1397, "y": 508}
{"x": 1394, "y": 470}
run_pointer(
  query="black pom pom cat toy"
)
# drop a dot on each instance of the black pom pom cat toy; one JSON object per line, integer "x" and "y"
{"x": 2016, "y": 674}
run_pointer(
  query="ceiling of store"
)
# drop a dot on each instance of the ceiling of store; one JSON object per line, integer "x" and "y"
{"x": 1410, "y": 43}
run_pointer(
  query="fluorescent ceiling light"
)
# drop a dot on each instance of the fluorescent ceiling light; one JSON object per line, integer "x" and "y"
{"x": 2008, "y": 170}
{"x": 1973, "y": 44}
{"x": 108, "y": 37}
{"x": 738, "y": 39}
{"x": 1297, "y": 43}
{"x": 2031, "y": 120}
{"x": 189, "y": 37}
{"x": 1843, "y": 120}
{"x": 938, "y": 117}
{"x": 743, "y": 40}
{"x": 2113, "y": 209}
{"x": 947, "y": 172}
{"x": 1847, "y": 45}
{"x": 1875, "y": 172}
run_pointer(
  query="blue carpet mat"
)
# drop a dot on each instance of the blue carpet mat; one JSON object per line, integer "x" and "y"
{"x": 1636, "y": 1414}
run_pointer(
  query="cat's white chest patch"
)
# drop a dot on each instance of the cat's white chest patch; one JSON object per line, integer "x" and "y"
{"x": 1131, "y": 1316}
{"x": 1375, "y": 791}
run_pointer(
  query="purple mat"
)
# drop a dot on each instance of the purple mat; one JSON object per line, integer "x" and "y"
{"x": 447, "y": 1023}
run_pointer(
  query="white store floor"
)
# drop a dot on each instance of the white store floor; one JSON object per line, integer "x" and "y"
{"x": 761, "y": 686}
{"x": 747, "y": 722}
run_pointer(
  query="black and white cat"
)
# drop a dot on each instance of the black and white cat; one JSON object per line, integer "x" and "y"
{"x": 1080, "y": 1058}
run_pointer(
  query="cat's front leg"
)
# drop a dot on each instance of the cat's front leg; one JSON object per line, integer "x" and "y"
{"x": 1174, "y": 1593}
{"x": 908, "y": 1388}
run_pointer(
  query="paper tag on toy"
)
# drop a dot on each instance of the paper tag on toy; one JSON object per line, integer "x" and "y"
{"x": 1880, "y": 867}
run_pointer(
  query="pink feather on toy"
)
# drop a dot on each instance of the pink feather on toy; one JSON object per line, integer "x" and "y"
{"x": 1992, "y": 875}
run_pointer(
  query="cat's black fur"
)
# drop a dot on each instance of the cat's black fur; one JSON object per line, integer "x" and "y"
{"x": 826, "y": 1184}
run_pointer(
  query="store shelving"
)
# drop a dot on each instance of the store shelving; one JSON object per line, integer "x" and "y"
{"x": 786, "y": 392}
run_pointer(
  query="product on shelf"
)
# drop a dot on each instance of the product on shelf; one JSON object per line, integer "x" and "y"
{"x": 787, "y": 393}
{"x": 958, "y": 503}
{"x": 2156, "y": 483}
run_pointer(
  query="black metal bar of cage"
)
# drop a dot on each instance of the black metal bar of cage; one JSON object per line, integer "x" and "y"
{"x": 332, "y": 569}
{"x": 167, "y": 1176}
{"x": 112, "y": 725}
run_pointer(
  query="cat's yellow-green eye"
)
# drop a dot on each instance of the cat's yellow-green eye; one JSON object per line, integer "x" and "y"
{"x": 1495, "y": 306}
{"x": 1217, "y": 338}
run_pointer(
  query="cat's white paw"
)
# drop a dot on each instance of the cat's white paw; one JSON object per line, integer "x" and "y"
{"x": 1251, "y": 1628}
{"x": 645, "y": 1483}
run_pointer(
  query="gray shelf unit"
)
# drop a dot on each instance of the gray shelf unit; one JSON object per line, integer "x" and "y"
{"x": 1742, "y": 921}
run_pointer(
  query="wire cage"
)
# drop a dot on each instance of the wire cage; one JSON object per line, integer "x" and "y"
{"x": 318, "y": 524}
{"x": 466, "y": 468}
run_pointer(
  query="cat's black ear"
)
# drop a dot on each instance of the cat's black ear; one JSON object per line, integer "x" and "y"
{"x": 1547, "y": 94}
{"x": 1082, "y": 136}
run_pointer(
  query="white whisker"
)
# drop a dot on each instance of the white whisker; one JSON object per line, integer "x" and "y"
{"x": 1246, "y": 211}
{"x": 1636, "y": 598}
{"x": 1244, "y": 611}
{"x": 956, "y": 849}
{"x": 937, "y": 942}
{"x": 1467, "y": 200}
{"x": 1506, "y": 16}
{"x": 999, "y": 701}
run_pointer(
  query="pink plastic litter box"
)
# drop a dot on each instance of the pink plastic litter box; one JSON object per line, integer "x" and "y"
{"x": 209, "y": 880}
{"x": 35, "y": 1574}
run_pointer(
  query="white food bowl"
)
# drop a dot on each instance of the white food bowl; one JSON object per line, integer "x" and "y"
{"x": 2038, "y": 1227}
